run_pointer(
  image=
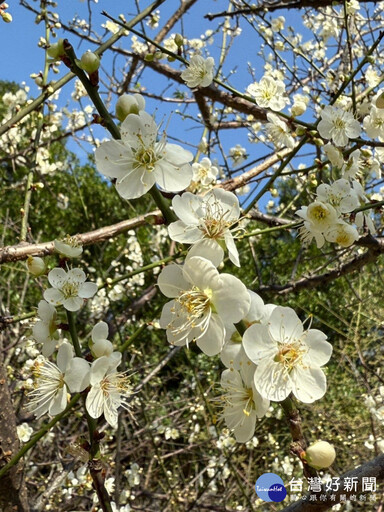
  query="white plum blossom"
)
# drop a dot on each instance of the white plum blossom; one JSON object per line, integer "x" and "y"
{"x": 374, "y": 123}
{"x": 109, "y": 390}
{"x": 69, "y": 288}
{"x": 338, "y": 125}
{"x": 339, "y": 194}
{"x": 269, "y": 93}
{"x": 343, "y": 234}
{"x": 203, "y": 301}
{"x": 204, "y": 173}
{"x": 318, "y": 217}
{"x": 243, "y": 403}
{"x": 278, "y": 131}
{"x": 352, "y": 167}
{"x": 238, "y": 154}
{"x": 24, "y": 432}
{"x": 45, "y": 329}
{"x": 199, "y": 72}
{"x": 288, "y": 358}
{"x": 138, "y": 161}
{"x": 70, "y": 247}
{"x": 334, "y": 155}
{"x": 54, "y": 381}
{"x": 206, "y": 222}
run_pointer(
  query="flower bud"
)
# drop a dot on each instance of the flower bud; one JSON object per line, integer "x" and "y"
{"x": 320, "y": 455}
{"x": 7, "y": 18}
{"x": 179, "y": 40}
{"x": 129, "y": 104}
{"x": 36, "y": 266}
{"x": 102, "y": 348}
{"x": 298, "y": 108}
{"x": 380, "y": 101}
{"x": 56, "y": 50}
{"x": 90, "y": 62}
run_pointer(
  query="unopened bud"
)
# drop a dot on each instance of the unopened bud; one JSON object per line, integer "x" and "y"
{"x": 298, "y": 108}
{"x": 7, "y": 18}
{"x": 179, "y": 40}
{"x": 170, "y": 58}
{"x": 320, "y": 455}
{"x": 129, "y": 104}
{"x": 56, "y": 50}
{"x": 380, "y": 101}
{"x": 149, "y": 57}
{"x": 90, "y": 62}
{"x": 158, "y": 55}
{"x": 36, "y": 266}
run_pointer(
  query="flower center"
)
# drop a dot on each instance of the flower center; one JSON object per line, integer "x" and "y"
{"x": 290, "y": 355}
{"x": 70, "y": 290}
{"x": 339, "y": 124}
{"x": 214, "y": 224}
{"x": 194, "y": 302}
{"x": 146, "y": 157}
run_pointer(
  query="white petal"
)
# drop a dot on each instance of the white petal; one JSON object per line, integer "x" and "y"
{"x": 320, "y": 350}
{"x": 208, "y": 249}
{"x": 45, "y": 311}
{"x": 135, "y": 184}
{"x": 95, "y": 401}
{"x": 213, "y": 340}
{"x": 308, "y": 384}
{"x": 258, "y": 344}
{"x": 76, "y": 275}
{"x": 272, "y": 381}
{"x": 54, "y": 296}
{"x": 40, "y": 332}
{"x": 184, "y": 234}
{"x": 59, "y": 403}
{"x": 201, "y": 273}
{"x": 232, "y": 249}
{"x": 285, "y": 325}
{"x": 171, "y": 281}
{"x": 100, "y": 331}
{"x": 73, "y": 303}
{"x": 57, "y": 277}
{"x": 186, "y": 207}
{"x": 111, "y": 158}
{"x": 87, "y": 290}
{"x": 64, "y": 356}
{"x": 78, "y": 375}
{"x": 172, "y": 179}
{"x": 231, "y": 298}
{"x": 98, "y": 370}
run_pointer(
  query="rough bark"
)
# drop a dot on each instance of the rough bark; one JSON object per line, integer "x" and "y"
{"x": 13, "y": 495}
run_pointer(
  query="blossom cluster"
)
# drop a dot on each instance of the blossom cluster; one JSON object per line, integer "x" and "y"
{"x": 106, "y": 388}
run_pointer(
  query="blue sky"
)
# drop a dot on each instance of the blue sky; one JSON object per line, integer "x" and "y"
{"x": 21, "y": 56}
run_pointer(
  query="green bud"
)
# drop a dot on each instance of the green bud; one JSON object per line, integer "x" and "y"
{"x": 149, "y": 57}
{"x": 170, "y": 59}
{"x": 36, "y": 266}
{"x": 56, "y": 50}
{"x": 7, "y": 18}
{"x": 179, "y": 40}
{"x": 90, "y": 62}
{"x": 129, "y": 104}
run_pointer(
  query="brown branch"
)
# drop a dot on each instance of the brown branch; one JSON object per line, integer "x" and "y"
{"x": 274, "y": 6}
{"x": 371, "y": 469}
{"x": 377, "y": 248}
{"x": 240, "y": 181}
{"x": 212, "y": 92}
{"x": 22, "y": 251}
